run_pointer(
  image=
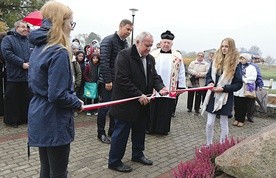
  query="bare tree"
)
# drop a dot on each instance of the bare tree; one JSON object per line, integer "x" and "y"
{"x": 255, "y": 50}
{"x": 82, "y": 38}
{"x": 92, "y": 36}
{"x": 269, "y": 60}
{"x": 243, "y": 50}
{"x": 86, "y": 39}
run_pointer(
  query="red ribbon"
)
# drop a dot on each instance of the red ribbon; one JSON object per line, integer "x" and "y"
{"x": 172, "y": 94}
{"x": 180, "y": 91}
{"x": 111, "y": 103}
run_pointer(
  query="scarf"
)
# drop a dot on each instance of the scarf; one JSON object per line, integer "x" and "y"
{"x": 220, "y": 98}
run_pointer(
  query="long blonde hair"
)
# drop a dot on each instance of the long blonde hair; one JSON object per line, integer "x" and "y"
{"x": 227, "y": 63}
{"x": 58, "y": 14}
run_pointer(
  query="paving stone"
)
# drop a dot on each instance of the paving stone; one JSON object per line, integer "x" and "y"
{"x": 89, "y": 156}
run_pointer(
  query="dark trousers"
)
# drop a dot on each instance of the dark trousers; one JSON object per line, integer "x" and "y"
{"x": 54, "y": 161}
{"x": 80, "y": 91}
{"x": 90, "y": 101}
{"x": 175, "y": 104}
{"x": 240, "y": 107}
{"x": 160, "y": 115}
{"x": 17, "y": 99}
{"x": 102, "y": 112}
{"x": 244, "y": 106}
{"x": 120, "y": 137}
{"x": 190, "y": 101}
{"x": 2, "y": 85}
{"x": 251, "y": 106}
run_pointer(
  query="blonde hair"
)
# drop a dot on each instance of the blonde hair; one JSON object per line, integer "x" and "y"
{"x": 227, "y": 63}
{"x": 58, "y": 14}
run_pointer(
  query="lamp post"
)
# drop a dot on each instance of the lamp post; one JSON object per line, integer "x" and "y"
{"x": 133, "y": 10}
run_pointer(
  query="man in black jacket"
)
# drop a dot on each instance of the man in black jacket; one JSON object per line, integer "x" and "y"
{"x": 16, "y": 50}
{"x": 109, "y": 48}
{"x": 135, "y": 75}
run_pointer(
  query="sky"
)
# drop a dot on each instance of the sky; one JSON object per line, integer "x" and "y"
{"x": 198, "y": 25}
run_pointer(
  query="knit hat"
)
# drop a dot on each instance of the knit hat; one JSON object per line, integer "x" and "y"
{"x": 94, "y": 41}
{"x": 96, "y": 45}
{"x": 246, "y": 56}
{"x": 75, "y": 45}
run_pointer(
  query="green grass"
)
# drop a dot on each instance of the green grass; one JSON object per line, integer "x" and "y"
{"x": 270, "y": 91}
{"x": 268, "y": 71}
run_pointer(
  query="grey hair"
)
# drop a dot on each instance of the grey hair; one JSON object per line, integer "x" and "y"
{"x": 142, "y": 36}
{"x": 17, "y": 23}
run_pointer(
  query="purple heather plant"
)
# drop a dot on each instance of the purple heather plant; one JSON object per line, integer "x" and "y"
{"x": 203, "y": 164}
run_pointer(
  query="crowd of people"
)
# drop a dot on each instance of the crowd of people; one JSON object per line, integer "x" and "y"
{"x": 48, "y": 77}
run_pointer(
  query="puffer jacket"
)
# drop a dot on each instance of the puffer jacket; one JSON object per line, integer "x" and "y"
{"x": 16, "y": 50}
{"x": 51, "y": 110}
{"x": 110, "y": 47}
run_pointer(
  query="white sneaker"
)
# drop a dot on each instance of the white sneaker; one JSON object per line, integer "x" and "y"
{"x": 95, "y": 113}
{"x": 88, "y": 114}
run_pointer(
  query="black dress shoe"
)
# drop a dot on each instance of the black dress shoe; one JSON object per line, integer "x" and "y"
{"x": 142, "y": 160}
{"x": 104, "y": 139}
{"x": 120, "y": 168}
{"x": 189, "y": 110}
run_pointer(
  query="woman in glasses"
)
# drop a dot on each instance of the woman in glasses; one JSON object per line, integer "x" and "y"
{"x": 51, "y": 111}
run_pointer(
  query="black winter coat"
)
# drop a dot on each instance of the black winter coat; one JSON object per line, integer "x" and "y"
{"x": 110, "y": 47}
{"x": 130, "y": 81}
{"x": 16, "y": 49}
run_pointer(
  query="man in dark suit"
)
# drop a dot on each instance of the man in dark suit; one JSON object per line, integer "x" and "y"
{"x": 135, "y": 75}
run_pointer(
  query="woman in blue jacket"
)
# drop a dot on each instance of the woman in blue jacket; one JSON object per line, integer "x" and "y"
{"x": 51, "y": 110}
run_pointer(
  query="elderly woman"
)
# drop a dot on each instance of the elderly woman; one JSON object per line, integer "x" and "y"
{"x": 241, "y": 101}
{"x": 197, "y": 71}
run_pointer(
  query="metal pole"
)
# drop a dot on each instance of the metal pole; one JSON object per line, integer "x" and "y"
{"x": 133, "y": 10}
{"x": 132, "y": 29}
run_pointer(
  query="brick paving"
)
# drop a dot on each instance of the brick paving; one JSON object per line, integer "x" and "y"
{"x": 88, "y": 157}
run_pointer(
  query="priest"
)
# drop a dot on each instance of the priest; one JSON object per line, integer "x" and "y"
{"x": 169, "y": 65}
